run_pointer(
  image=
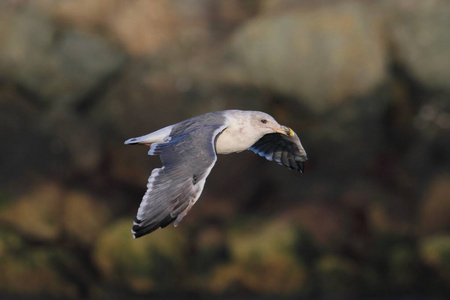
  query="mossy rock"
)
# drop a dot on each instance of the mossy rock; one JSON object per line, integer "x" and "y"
{"x": 403, "y": 262}
{"x": 211, "y": 249}
{"x": 10, "y": 243}
{"x": 263, "y": 261}
{"x": 41, "y": 208}
{"x": 337, "y": 276}
{"x": 276, "y": 276}
{"x": 36, "y": 272}
{"x": 153, "y": 263}
{"x": 254, "y": 240}
{"x": 82, "y": 221}
{"x": 435, "y": 252}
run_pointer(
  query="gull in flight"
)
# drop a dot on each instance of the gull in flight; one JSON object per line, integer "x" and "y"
{"x": 188, "y": 151}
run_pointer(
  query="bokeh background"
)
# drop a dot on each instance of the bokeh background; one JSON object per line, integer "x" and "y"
{"x": 365, "y": 84}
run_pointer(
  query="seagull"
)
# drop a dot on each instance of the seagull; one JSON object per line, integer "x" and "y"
{"x": 188, "y": 151}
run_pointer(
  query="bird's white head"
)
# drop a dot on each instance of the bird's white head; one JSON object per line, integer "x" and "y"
{"x": 265, "y": 124}
{"x": 245, "y": 128}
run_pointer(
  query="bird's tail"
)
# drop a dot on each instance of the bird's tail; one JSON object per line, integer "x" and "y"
{"x": 159, "y": 136}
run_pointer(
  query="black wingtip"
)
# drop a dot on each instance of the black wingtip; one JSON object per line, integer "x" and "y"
{"x": 138, "y": 230}
{"x": 301, "y": 167}
{"x": 300, "y": 164}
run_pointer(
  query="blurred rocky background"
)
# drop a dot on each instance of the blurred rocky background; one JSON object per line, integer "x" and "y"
{"x": 365, "y": 84}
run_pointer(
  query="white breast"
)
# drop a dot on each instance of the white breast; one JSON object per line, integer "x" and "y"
{"x": 235, "y": 139}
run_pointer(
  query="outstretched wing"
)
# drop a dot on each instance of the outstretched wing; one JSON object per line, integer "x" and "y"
{"x": 285, "y": 150}
{"x": 187, "y": 158}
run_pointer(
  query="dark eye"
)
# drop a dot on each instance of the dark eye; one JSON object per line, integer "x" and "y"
{"x": 264, "y": 121}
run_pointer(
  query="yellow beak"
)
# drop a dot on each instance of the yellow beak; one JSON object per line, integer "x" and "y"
{"x": 286, "y": 131}
{"x": 291, "y": 132}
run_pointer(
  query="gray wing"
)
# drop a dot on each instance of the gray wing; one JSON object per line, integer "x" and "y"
{"x": 285, "y": 150}
{"x": 187, "y": 160}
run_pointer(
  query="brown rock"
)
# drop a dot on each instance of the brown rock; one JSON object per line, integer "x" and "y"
{"x": 48, "y": 211}
{"x": 142, "y": 27}
{"x": 36, "y": 214}
{"x": 55, "y": 64}
{"x": 84, "y": 217}
{"x": 324, "y": 55}
{"x": 418, "y": 31}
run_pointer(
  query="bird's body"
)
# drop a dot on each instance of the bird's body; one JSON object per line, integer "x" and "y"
{"x": 188, "y": 152}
